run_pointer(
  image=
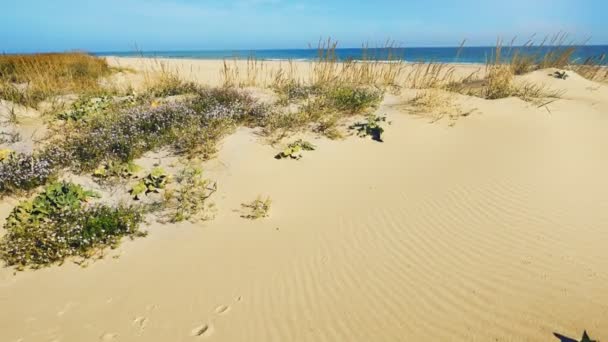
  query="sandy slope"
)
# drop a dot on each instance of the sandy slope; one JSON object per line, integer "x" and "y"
{"x": 492, "y": 230}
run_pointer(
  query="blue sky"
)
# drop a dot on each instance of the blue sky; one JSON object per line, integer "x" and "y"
{"x": 118, "y": 25}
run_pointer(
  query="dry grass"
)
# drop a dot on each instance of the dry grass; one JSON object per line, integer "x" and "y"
{"x": 282, "y": 79}
{"x": 373, "y": 70}
{"x": 437, "y": 104}
{"x": 500, "y": 74}
{"x": 326, "y": 70}
{"x": 593, "y": 68}
{"x": 429, "y": 75}
{"x": 29, "y": 79}
{"x": 255, "y": 73}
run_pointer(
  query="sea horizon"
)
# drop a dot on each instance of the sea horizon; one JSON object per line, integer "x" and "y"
{"x": 454, "y": 54}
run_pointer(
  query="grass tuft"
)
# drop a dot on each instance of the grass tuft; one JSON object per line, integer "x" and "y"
{"x": 30, "y": 79}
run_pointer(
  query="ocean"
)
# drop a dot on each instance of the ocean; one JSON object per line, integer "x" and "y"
{"x": 436, "y": 54}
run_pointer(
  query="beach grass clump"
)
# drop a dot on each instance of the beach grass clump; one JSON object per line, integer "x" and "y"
{"x": 29, "y": 79}
{"x": 257, "y": 209}
{"x": 189, "y": 200}
{"x": 427, "y": 75}
{"x": 353, "y": 100}
{"x": 169, "y": 84}
{"x": 499, "y": 82}
{"x": 379, "y": 66}
{"x": 436, "y": 104}
{"x": 320, "y": 109}
{"x": 593, "y": 68}
{"x": 59, "y": 223}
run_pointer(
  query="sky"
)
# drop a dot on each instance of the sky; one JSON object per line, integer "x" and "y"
{"x": 154, "y": 25}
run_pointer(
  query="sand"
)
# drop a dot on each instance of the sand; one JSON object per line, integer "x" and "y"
{"x": 494, "y": 229}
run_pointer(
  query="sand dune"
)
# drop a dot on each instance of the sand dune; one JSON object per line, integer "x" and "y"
{"x": 492, "y": 230}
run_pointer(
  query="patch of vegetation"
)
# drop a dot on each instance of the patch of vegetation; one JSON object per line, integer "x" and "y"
{"x": 29, "y": 79}
{"x": 58, "y": 224}
{"x": 499, "y": 82}
{"x": 189, "y": 200}
{"x": 353, "y": 100}
{"x": 169, "y": 84}
{"x": 86, "y": 107}
{"x": 191, "y": 126}
{"x": 257, "y": 209}
{"x": 113, "y": 170}
{"x": 155, "y": 181}
{"x": 294, "y": 150}
{"x": 5, "y": 153}
{"x": 436, "y": 104}
{"x": 23, "y": 172}
{"x": 321, "y": 109}
{"x": 373, "y": 127}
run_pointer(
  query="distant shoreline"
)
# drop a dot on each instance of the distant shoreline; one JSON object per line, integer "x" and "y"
{"x": 190, "y": 59}
{"x": 450, "y": 55}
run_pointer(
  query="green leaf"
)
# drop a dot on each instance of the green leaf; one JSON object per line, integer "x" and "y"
{"x": 138, "y": 189}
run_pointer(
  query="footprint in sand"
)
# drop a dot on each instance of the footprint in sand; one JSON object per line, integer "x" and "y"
{"x": 140, "y": 323}
{"x": 206, "y": 330}
{"x": 222, "y": 309}
{"x": 107, "y": 337}
{"x": 203, "y": 331}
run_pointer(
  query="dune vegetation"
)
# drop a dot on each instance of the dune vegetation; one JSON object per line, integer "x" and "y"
{"x": 105, "y": 131}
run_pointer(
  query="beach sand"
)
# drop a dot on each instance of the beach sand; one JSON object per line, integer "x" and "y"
{"x": 494, "y": 229}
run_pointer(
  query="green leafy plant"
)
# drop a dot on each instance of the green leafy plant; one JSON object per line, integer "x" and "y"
{"x": 155, "y": 181}
{"x": 257, "y": 209}
{"x": 353, "y": 99}
{"x": 55, "y": 198}
{"x": 59, "y": 223}
{"x": 371, "y": 127}
{"x": 85, "y": 107}
{"x": 112, "y": 170}
{"x": 561, "y": 75}
{"x": 294, "y": 150}
{"x": 189, "y": 200}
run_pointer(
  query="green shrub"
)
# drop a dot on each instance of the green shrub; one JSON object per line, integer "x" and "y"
{"x": 58, "y": 223}
{"x": 371, "y": 127}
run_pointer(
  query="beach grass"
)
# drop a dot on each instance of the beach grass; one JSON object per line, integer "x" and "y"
{"x": 29, "y": 79}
